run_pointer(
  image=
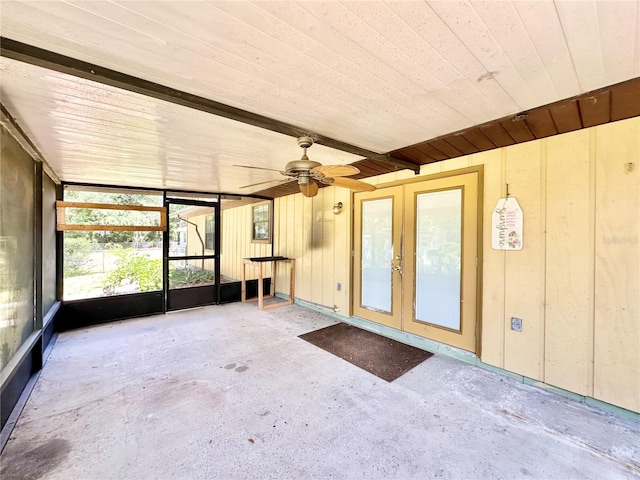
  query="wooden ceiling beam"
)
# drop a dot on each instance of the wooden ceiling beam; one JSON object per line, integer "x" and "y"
{"x": 60, "y": 63}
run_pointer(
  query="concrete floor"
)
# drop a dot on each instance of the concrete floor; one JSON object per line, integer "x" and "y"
{"x": 231, "y": 392}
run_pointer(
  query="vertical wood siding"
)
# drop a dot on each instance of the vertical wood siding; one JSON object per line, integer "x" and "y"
{"x": 569, "y": 262}
{"x": 320, "y": 242}
{"x": 524, "y": 270}
{"x": 575, "y": 284}
{"x": 616, "y": 353}
{"x": 236, "y": 244}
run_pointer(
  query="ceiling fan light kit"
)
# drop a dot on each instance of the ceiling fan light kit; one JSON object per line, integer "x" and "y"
{"x": 307, "y": 173}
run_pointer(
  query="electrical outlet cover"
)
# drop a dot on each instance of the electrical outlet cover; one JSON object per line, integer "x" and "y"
{"x": 516, "y": 324}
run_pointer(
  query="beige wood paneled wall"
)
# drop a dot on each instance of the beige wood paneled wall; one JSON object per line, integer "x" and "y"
{"x": 320, "y": 241}
{"x": 576, "y": 282}
{"x": 617, "y": 264}
{"x": 236, "y": 244}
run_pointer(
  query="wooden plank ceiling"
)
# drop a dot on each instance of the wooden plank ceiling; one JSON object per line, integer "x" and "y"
{"x": 609, "y": 104}
{"x": 605, "y": 105}
{"x": 386, "y": 77}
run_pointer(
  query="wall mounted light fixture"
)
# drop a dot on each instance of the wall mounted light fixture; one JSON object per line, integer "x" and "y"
{"x": 337, "y": 208}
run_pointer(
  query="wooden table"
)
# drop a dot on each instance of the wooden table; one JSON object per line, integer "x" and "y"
{"x": 259, "y": 262}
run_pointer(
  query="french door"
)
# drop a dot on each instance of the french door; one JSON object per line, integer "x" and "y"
{"x": 415, "y": 258}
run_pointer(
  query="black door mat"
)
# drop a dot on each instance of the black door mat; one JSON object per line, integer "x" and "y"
{"x": 382, "y": 356}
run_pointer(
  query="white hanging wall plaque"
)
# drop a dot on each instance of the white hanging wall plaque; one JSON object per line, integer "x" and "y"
{"x": 506, "y": 225}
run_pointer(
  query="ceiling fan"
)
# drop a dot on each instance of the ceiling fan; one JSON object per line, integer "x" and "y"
{"x": 307, "y": 173}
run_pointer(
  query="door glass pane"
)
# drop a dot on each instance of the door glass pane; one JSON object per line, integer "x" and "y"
{"x": 191, "y": 230}
{"x": 377, "y": 254}
{"x": 438, "y": 240}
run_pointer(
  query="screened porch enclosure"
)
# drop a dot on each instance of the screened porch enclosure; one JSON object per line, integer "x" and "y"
{"x": 178, "y": 120}
{"x": 192, "y": 261}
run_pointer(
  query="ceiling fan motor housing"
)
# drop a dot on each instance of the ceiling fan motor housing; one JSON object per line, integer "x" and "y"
{"x": 308, "y": 173}
{"x": 302, "y": 166}
{"x": 296, "y": 168}
{"x": 304, "y": 180}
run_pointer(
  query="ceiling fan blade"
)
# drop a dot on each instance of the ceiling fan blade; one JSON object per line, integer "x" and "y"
{"x": 349, "y": 183}
{"x": 334, "y": 171}
{"x": 258, "y": 168}
{"x": 309, "y": 190}
{"x": 262, "y": 183}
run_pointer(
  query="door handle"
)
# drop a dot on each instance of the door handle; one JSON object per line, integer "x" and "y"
{"x": 398, "y": 267}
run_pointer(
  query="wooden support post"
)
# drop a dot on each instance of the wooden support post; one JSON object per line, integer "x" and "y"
{"x": 261, "y": 287}
{"x": 243, "y": 283}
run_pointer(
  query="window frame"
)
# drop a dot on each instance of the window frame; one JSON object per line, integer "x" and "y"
{"x": 269, "y": 222}
{"x": 209, "y": 235}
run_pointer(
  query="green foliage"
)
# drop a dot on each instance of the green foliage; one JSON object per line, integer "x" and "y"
{"x": 138, "y": 270}
{"x": 190, "y": 276}
{"x": 77, "y": 260}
